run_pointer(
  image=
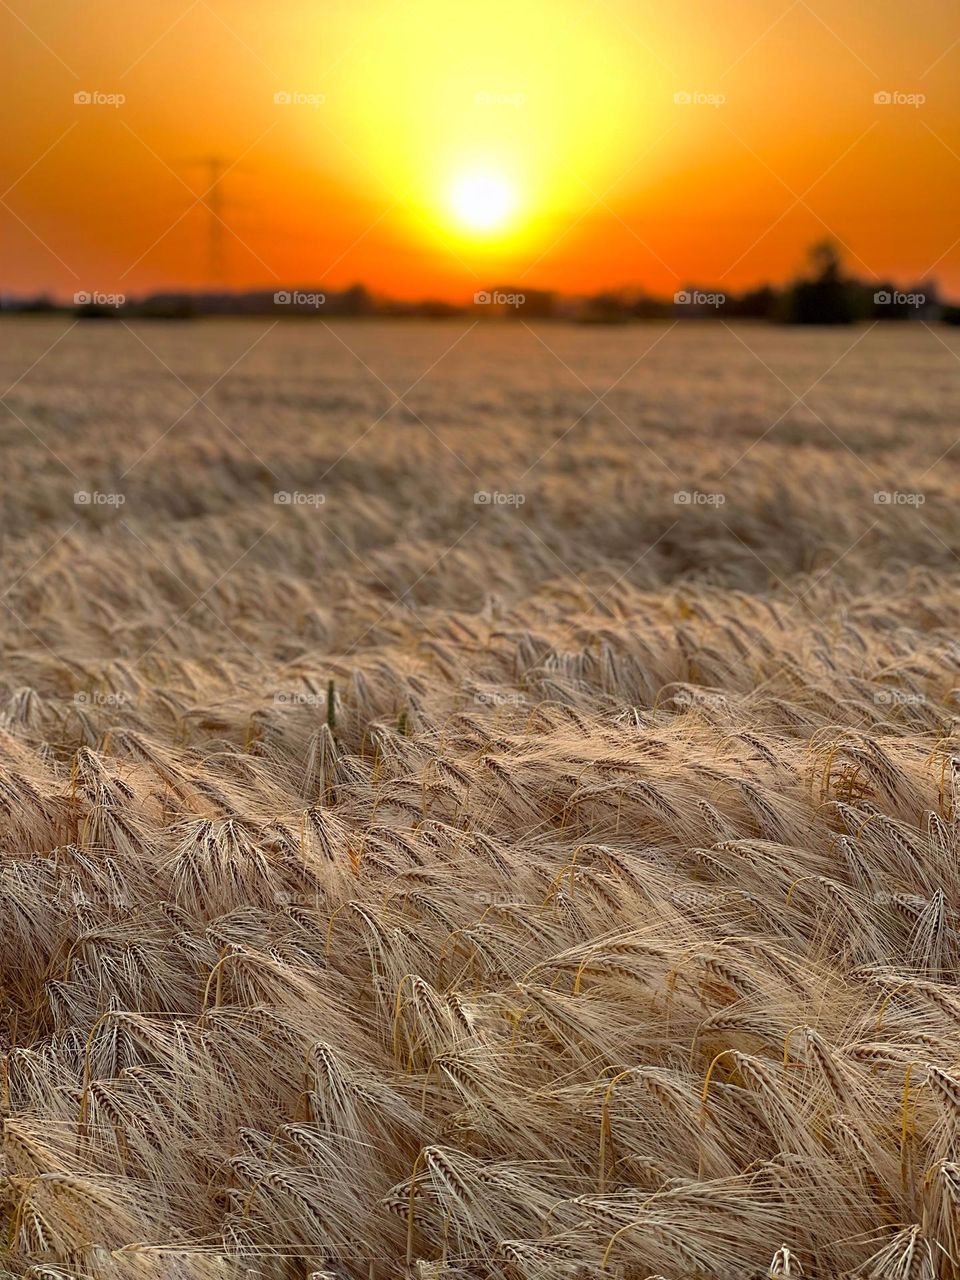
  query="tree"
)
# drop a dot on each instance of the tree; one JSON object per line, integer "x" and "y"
{"x": 823, "y": 295}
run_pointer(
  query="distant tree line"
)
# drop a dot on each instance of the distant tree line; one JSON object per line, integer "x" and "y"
{"x": 822, "y": 293}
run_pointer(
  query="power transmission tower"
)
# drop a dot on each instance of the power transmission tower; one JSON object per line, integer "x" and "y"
{"x": 216, "y": 168}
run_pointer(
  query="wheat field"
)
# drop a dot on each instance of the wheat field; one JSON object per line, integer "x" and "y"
{"x": 396, "y": 883}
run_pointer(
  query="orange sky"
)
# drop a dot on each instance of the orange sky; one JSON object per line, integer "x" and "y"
{"x": 570, "y": 104}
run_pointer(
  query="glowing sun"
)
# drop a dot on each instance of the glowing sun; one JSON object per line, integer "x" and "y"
{"x": 482, "y": 201}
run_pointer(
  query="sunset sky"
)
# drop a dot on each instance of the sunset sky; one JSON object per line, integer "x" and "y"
{"x": 431, "y": 147}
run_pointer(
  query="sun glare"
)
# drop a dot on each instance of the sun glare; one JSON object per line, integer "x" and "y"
{"x": 492, "y": 144}
{"x": 482, "y": 202}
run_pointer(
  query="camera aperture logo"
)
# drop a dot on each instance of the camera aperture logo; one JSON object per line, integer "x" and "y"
{"x": 498, "y": 698}
{"x": 94, "y": 498}
{"x": 298, "y": 698}
{"x": 96, "y": 98}
{"x": 497, "y": 298}
{"x": 298, "y": 298}
{"x": 695, "y": 98}
{"x": 94, "y": 298}
{"x": 492, "y": 900}
{"x": 697, "y": 697}
{"x": 295, "y": 98}
{"x": 884, "y": 298}
{"x": 898, "y": 698}
{"x": 94, "y": 698}
{"x": 894, "y": 98}
{"x": 694, "y": 498}
{"x": 494, "y": 498}
{"x": 294, "y": 498}
{"x": 698, "y": 298}
{"x": 894, "y": 498}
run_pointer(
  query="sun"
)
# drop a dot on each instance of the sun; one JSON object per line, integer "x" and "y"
{"x": 482, "y": 201}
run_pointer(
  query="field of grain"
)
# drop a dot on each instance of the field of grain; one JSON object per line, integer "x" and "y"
{"x": 479, "y": 802}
